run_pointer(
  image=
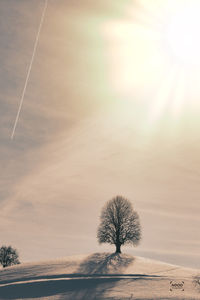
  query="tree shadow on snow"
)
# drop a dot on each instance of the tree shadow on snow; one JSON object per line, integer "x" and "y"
{"x": 97, "y": 274}
{"x": 104, "y": 263}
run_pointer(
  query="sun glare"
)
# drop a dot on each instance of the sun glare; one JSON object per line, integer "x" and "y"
{"x": 154, "y": 55}
{"x": 183, "y": 34}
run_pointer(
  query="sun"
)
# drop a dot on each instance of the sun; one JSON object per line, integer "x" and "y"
{"x": 154, "y": 55}
{"x": 183, "y": 34}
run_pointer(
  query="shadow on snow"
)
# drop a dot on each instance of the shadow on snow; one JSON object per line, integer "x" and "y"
{"x": 95, "y": 275}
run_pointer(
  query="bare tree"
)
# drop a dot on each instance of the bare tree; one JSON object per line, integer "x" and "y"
{"x": 8, "y": 256}
{"x": 119, "y": 224}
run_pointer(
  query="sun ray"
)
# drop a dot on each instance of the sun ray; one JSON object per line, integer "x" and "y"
{"x": 163, "y": 94}
{"x": 179, "y": 97}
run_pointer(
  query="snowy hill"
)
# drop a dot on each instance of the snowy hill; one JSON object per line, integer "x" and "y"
{"x": 99, "y": 276}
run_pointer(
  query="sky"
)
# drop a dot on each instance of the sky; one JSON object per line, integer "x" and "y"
{"x": 111, "y": 108}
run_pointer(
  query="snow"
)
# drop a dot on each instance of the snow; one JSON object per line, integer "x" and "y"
{"x": 98, "y": 276}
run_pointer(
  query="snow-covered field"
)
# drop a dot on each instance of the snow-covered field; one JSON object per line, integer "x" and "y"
{"x": 99, "y": 276}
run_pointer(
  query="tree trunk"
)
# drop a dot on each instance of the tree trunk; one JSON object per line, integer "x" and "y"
{"x": 118, "y": 248}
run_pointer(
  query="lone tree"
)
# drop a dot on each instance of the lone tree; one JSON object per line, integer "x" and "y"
{"x": 8, "y": 256}
{"x": 119, "y": 224}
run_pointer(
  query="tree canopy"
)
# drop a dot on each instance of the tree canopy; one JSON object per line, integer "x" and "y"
{"x": 119, "y": 224}
{"x": 8, "y": 256}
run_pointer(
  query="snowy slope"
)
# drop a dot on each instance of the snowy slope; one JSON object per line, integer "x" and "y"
{"x": 98, "y": 276}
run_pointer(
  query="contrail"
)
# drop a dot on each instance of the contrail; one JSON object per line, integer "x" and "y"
{"x": 29, "y": 69}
